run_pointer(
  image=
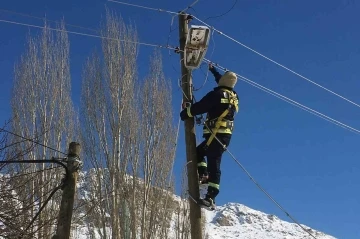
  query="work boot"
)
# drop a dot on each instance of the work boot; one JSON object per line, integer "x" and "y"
{"x": 207, "y": 203}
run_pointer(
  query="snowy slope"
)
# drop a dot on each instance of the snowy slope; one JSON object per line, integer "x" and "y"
{"x": 235, "y": 220}
{"x": 230, "y": 221}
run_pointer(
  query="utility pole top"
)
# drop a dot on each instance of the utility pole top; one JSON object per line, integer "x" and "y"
{"x": 74, "y": 149}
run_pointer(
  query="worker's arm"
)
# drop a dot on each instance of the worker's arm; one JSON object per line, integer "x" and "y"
{"x": 200, "y": 107}
{"x": 216, "y": 74}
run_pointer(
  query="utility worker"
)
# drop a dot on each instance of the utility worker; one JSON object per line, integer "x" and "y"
{"x": 220, "y": 104}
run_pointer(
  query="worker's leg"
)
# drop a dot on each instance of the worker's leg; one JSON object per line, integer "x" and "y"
{"x": 201, "y": 162}
{"x": 214, "y": 154}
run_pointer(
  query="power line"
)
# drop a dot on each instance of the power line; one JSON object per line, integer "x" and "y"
{"x": 43, "y": 206}
{"x": 223, "y": 14}
{"x": 43, "y": 196}
{"x": 258, "y": 185}
{"x": 31, "y": 140}
{"x": 85, "y": 34}
{"x": 36, "y": 161}
{"x": 31, "y": 177}
{"x": 253, "y": 180}
{"x": 249, "y": 48}
{"x": 45, "y": 19}
{"x": 95, "y": 36}
{"x": 273, "y": 61}
{"x": 208, "y": 61}
{"x": 159, "y": 10}
{"x": 190, "y": 6}
{"x": 241, "y": 77}
{"x": 144, "y": 7}
{"x": 17, "y": 175}
{"x": 12, "y": 144}
{"x": 172, "y": 19}
{"x": 170, "y": 31}
{"x": 293, "y": 102}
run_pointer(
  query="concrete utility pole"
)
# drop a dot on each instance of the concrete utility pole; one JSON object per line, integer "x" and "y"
{"x": 190, "y": 139}
{"x": 67, "y": 201}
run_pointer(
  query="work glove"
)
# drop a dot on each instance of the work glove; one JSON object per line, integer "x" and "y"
{"x": 184, "y": 113}
{"x": 212, "y": 69}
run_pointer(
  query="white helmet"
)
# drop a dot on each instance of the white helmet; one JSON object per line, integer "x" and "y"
{"x": 229, "y": 79}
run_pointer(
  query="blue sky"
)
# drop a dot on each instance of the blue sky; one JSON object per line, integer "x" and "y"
{"x": 307, "y": 164}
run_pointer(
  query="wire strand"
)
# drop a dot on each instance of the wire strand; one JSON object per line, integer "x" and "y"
{"x": 144, "y": 7}
{"x": 247, "y": 47}
{"x": 44, "y": 18}
{"x": 17, "y": 175}
{"x": 223, "y": 14}
{"x": 275, "y": 62}
{"x": 173, "y": 17}
{"x": 89, "y": 35}
{"x": 42, "y": 207}
{"x": 257, "y": 184}
{"x": 293, "y": 102}
{"x": 190, "y": 6}
{"x": 31, "y": 140}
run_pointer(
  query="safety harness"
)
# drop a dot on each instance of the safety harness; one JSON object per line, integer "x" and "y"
{"x": 221, "y": 125}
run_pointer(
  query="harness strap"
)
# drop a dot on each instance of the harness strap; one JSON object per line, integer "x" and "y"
{"x": 231, "y": 100}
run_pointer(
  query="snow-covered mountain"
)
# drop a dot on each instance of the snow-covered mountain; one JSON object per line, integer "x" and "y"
{"x": 235, "y": 220}
{"x": 229, "y": 221}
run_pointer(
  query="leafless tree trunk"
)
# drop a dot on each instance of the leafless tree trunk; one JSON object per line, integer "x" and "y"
{"x": 128, "y": 136}
{"x": 157, "y": 147}
{"x": 108, "y": 113}
{"x": 42, "y": 110}
{"x": 182, "y": 227}
{"x": 182, "y": 213}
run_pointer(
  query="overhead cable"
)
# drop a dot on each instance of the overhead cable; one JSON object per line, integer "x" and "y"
{"x": 89, "y": 35}
{"x": 293, "y": 102}
{"x": 220, "y": 67}
{"x": 247, "y": 47}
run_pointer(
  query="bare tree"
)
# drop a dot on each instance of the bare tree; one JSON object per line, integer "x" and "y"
{"x": 107, "y": 113}
{"x": 157, "y": 149}
{"x": 182, "y": 213}
{"x": 128, "y": 136}
{"x": 3, "y": 144}
{"x": 182, "y": 227}
{"x": 42, "y": 110}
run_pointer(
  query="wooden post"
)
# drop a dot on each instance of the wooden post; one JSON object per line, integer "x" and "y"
{"x": 67, "y": 201}
{"x": 190, "y": 139}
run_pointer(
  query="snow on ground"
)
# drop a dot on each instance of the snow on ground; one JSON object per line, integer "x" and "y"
{"x": 235, "y": 220}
